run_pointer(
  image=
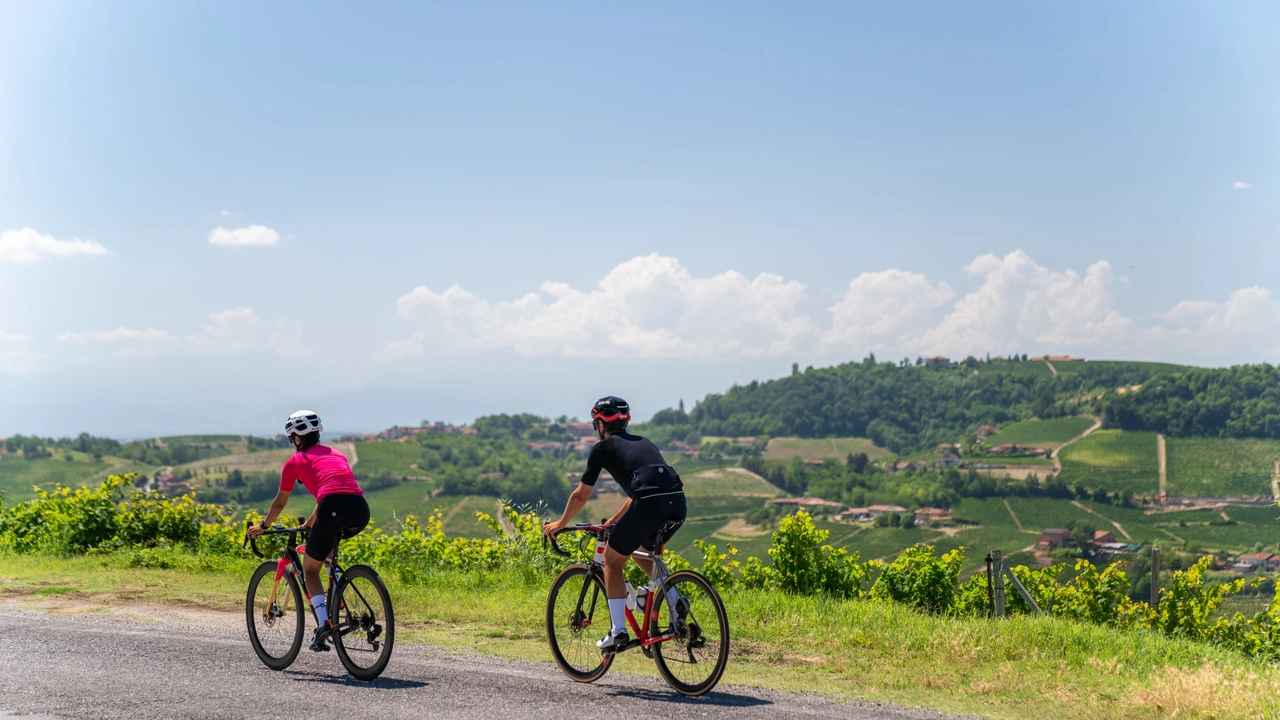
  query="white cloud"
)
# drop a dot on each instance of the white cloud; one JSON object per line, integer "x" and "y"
{"x": 649, "y": 306}
{"x": 1247, "y": 323}
{"x": 18, "y": 362}
{"x": 228, "y": 332}
{"x": 11, "y": 337}
{"x": 883, "y": 310}
{"x": 1021, "y": 304}
{"x": 28, "y": 246}
{"x": 225, "y": 213}
{"x": 653, "y": 307}
{"x": 252, "y": 235}
{"x": 1241, "y": 185}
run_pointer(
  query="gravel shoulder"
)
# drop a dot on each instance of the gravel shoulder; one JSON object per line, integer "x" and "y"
{"x": 144, "y": 662}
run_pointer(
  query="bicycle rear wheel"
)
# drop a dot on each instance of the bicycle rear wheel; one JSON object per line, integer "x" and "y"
{"x": 576, "y": 601}
{"x": 276, "y": 625}
{"x": 364, "y": 621}
{"x": 694, "y": 660}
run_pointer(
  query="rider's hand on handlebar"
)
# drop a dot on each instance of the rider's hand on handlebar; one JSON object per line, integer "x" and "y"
{"x": 255, "y": 531}
{"x": 551, "y": 528}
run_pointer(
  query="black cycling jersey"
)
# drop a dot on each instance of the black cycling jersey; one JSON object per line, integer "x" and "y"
{"x": 623, "y": 454}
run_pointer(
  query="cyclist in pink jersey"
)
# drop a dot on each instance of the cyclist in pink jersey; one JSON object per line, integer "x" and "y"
{"x": 341, "y": 511}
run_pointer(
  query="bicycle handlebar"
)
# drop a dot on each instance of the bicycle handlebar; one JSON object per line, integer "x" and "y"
{"x": 596, "y": 531}
{"x": 252, "y": 543}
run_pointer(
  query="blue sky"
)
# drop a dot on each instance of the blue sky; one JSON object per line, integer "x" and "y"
{"x": 653, "y": 201}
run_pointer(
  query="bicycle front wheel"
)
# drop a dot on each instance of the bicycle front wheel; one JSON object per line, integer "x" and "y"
{"x": 364, "y": 623}
{"x": 276, "y": 616}
{"x": 578, "y": 601}
{"x": 694, "y": 660}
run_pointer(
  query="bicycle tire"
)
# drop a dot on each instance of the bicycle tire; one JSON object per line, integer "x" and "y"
{"x": 363, "y": 630}
{"x": 574, "y": 622}
{"x": 267, "y": 651}
{"x": 702, "y": 597}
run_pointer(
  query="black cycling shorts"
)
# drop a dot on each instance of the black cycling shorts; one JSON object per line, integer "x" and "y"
{"x": 338, "y": 516}
{"x": 639, "y": 526}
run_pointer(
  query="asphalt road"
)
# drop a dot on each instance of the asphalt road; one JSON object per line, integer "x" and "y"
{"x": 55, "y": 665}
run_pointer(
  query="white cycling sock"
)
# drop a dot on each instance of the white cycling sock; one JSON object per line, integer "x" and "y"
{"x": 618, "y": 614}
{"x": 322, "y": 610}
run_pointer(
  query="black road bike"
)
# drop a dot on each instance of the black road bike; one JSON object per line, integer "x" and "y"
{"x": 359, "y": 608}
{"x": 683, "y": 625}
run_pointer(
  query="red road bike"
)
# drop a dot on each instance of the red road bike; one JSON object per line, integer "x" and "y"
{"x": 359, "y": 606}
{"x": 682, "y": 626}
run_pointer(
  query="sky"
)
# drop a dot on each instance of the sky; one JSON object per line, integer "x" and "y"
{"x": 215, "y": 213}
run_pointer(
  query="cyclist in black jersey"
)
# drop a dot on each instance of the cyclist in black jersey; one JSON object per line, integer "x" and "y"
{"x": 655, "y": 495}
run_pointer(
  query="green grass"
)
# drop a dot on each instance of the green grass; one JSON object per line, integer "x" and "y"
{"x": 1039, "y": 433}
{"x": 1020, "y": 369}
{"x": 391, "y": 458}
{"x": 822, "y": 448}
{"x": 1218, "y": 467}
{"x": 1023, "y": 667}
{"x": 1113, "y": 460}
{"x": 205, "y": 439}
{"x": 729, "y": 481}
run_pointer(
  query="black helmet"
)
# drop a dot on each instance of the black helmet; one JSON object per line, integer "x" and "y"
{"x": 613, "y": 411}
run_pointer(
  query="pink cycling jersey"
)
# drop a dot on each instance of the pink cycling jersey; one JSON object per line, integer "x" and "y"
{"x": 322, "y": 470}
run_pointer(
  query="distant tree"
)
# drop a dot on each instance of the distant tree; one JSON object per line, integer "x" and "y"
{"x": 908, "y": 521}
{"x": 857, "y": 463}
{"x": 795, "y": 368}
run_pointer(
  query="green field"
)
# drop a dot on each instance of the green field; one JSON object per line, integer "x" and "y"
{"x": 17, "y": 476}
{"x": 391, "y": 458}
{"x": 1218, "y": 467}
{"x": 1113, "y": 460}
{"x": 1040, "y": 433}
{"x": 729, "y": 481}
{"x": 822, "y": 448}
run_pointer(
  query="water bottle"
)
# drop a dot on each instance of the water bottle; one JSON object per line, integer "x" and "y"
{"x": 642, "y": 597}
{"x": 631, "y": 598}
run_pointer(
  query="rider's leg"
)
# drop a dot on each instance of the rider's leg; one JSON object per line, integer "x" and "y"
{"x": 615, "y": 588}
{"x": 311, "y": 568}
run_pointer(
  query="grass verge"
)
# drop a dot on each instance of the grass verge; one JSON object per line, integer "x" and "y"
{"x": 1019, "y": 668}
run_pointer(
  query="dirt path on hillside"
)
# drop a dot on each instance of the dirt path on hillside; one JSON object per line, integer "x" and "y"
{"x": 1052, "y": 369}
{"x": 453, "y": 511}
{"x": 1275, "y": 482}
{"x": 1162, "y": 458}
{"x": 1016, "y": 521}
{"x": 1057, "y": 463}
{"x": 1091, "y": 511}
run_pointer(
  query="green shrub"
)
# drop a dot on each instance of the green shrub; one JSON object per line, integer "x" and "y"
{"x": 921, "y": 579}
{"x": 803, "y": 565}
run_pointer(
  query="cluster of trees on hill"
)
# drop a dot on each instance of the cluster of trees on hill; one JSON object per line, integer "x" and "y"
{"x": 1240, "y": 401}
{"x": 903, "y": 407}
{"x": 498, "y": 461}
{"x": 148, "y": 452}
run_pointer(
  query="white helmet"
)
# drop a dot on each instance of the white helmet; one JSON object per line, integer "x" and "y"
{"x": 303, "y": 422}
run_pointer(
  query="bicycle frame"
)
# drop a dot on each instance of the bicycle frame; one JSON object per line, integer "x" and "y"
{"x": 291, "y": 564}
{"x": 660, "y": 574}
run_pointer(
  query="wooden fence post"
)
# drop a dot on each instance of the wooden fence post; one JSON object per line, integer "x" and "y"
{"x": 1155, "y": 578}
{"x": 991, "y": 596}
{"x": 997, "y": 570}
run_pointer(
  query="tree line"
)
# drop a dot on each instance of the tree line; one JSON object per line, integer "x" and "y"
{"x": 901, "y": 406}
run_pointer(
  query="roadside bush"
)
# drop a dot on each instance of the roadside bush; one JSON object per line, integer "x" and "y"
{"x": 803, "y": 565}
{"x": 921, "y": 579}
